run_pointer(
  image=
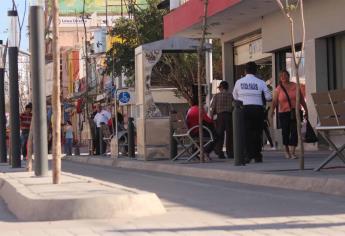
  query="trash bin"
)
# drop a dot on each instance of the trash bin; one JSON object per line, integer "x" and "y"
{"x": 131, "y": 143}
{"x": 238, "y": 133}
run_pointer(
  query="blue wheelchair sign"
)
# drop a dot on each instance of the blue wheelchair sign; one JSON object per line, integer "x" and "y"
{"x": 124, "y": 97}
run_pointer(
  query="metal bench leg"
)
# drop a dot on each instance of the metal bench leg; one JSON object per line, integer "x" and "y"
{"x": 337, "y": 152}
{"x": 185, "y": 149}
{"x": 325, "y": 162}
{"x": 335, "y": 148}
{"x": 196, "y": 152}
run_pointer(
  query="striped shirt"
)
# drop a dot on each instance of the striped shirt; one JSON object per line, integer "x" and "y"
{"x": 221, "y": 102}
{"x": 25, "y": 121}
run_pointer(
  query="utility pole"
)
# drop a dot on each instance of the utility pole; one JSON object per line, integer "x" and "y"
{"x": 3, "y": 148}
{"x": 37, "y": 44}
{"x": 13, "y": 42}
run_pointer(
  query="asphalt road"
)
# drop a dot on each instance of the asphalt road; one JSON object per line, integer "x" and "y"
{"x": 198, "y": 207}
{"x": 225, "y": 198}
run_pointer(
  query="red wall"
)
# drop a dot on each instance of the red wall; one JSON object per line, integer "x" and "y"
{"x": 191, "y": 13}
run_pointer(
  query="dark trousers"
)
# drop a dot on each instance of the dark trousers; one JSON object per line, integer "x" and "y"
{"x": 68, "y": 146}
{"x": 224, "y": 125}
{"x": 24, "y": 140}
{"x": 99, "y": 141}
{"x": 289, "y": 129}
{"x": 253, "y": 122}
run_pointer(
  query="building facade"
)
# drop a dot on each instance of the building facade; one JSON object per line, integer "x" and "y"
{"x": 256, "y": 30}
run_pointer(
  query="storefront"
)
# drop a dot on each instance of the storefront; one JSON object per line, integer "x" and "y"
{"x": 253, "y": 30}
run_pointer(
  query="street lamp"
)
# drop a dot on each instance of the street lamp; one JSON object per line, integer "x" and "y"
{"x": 13, "y": 41}
{"x": 37, "y": 64}
{"x": 3, "y": 152}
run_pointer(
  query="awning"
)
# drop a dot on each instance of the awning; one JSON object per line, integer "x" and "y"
{"x": 223, "y": 16}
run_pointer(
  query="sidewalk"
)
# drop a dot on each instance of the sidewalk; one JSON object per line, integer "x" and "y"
{"x": 275, "y": 171}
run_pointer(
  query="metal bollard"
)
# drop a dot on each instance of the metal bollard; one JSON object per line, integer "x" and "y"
{"x": 131, "y": 144}
{"x": 173, "y": 143}
{"x": 238, "y": 132}
{"x": 101, "y": 151}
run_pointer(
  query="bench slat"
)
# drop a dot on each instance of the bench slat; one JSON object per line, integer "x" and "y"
{"x": 321, "y": 98}
{"x": 337, "y": 96}
{"x": 330, "y": 121}
{"x": 324, "y": 110}
{"x": 339, "y": 109}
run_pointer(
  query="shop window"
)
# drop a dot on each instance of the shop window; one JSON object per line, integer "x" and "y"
{"x": 336, "y": 61}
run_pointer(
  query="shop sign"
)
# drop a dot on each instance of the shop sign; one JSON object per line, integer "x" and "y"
{"x": 250, "y": 51}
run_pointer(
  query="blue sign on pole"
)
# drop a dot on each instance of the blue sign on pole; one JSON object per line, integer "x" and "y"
{"x": 124, "y": 97}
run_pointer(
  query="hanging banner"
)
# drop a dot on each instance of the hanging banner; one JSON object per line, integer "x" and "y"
{"x": 91, "y": 6}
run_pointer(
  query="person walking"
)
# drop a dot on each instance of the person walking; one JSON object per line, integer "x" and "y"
{"x": 284, "y": 99}
{"x": 250, "y": 91}
{"x": 68, "y": 130}
{"x": 101, "y": 118}
{"x": 25, "y": 122}
{"x": 221, "y": 105}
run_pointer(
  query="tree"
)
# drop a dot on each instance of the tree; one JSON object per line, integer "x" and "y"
{"x": 200, "y": 57}
{"x": 288, "y": 9}
{"x": 175, "y": 69}
{"x": 145, "y": 26}
{"x": 179, "y": 70}
{"x": 56, "y": 95}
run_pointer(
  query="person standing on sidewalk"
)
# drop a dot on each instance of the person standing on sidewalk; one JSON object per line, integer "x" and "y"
{"x": 101, "y": 118}
{"x": 25, "y": 122}
{"x": 68, "y": 130}
{"x": 250, "y": 91}
{"x": 284, "y": 98}
{"x": 221, "y": 105}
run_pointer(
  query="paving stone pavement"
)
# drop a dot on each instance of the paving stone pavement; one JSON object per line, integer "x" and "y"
{"x": 198, "y": 207}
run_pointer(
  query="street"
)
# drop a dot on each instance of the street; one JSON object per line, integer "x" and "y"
{"x": 199, "y": 207}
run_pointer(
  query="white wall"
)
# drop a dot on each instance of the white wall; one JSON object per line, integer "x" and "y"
{"x": 322, "y": 18}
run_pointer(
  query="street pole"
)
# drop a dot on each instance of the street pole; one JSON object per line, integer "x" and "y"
{"x": 3, "y": 148}
{"x": 38, "y": 87}
{"x": 209, "y": 74}
{"x": 13, "y": 41}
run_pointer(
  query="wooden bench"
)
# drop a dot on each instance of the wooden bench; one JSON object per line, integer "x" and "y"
{"x": 330, "y": 107}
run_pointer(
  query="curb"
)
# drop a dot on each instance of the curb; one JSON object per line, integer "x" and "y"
{"x": 311, "y": 184}
{"x": 27, "y": 205}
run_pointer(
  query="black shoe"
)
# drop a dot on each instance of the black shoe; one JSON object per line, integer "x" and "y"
{"x": 258, "y": 159}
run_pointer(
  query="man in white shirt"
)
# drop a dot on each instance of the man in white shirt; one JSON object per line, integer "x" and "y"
{"x": 101, "y": 118}
{"x": 250, "y": 91}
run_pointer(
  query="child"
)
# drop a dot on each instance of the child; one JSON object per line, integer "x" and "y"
{"x": 68, "y": 138}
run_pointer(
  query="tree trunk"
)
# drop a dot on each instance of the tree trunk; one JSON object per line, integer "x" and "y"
{"x": 298, "y": 118}
{"x": 201, "y": 108}
{"x": 297, "y": 61}
{"x": 56, "y": 96}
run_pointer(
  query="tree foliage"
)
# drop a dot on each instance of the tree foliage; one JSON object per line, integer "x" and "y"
{"x": 180, "y": 71}
{"x": 145, "y": 25}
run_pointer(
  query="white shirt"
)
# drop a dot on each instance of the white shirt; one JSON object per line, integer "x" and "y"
{"x": 249, "y": 90}
{"x": 102, "y": 116}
